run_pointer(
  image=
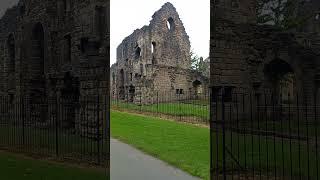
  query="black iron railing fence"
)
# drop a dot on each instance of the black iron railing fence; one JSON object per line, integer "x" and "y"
{"x": 65, "y": 127}
{"x": 190, "y": 107}
{"x": 264, "y": 136}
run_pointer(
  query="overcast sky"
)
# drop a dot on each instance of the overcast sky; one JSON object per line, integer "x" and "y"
{"x": 128, "y": 15}
{"x": 5, "y": 4}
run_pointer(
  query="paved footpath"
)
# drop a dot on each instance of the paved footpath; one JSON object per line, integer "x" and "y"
{"x": 130, "y": 163}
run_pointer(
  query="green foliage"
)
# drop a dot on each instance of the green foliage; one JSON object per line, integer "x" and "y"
{"x": 197, "y": 63}
{"x": 280, "y": 13}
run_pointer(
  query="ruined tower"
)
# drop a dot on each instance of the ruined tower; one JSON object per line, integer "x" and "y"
{"x": 154, "y": 58}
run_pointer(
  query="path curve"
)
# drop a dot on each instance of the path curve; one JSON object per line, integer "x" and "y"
{"x": 130, "y": 163}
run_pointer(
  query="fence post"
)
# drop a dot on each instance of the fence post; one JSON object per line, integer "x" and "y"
{"x": 223, "y": 136}
{"x": 98, "y": 127}
{"x": 179, "y": 99}
{"x": 140, "y": 100}
{"x": 127, "y": 99}
{"x": 23, "y": 120}
{"x": 57, "y": 124}
{"x": 157, "y": 102}
{"x": 211, "y": 132}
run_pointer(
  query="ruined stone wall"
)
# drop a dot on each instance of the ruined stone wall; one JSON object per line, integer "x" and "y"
{"x": 8, "y": 26}
{"x": 242, "y": 52}
{"x": 60, "y": 51}
{"x": 153, "y": 59}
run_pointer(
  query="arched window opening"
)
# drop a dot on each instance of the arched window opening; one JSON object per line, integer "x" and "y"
{"x": 153, "y": 51}
{"x": 22, "y": 10}
{"x": 38, "y": 48}
{"x": 170, "y": 24}
{"x": 153, "y": 47}
{"x": 67, "y": 54}
{"x": 121, "y": 78}
{"x": 11, "y": 54}
{"x": 65, "y": 6}
{"x": 137, "y": 53}
{"x": 121, "y": 85}
{"x": 113, "y": 78}
{"x": 100, "y": 21}
{"x": 37, "y": 72}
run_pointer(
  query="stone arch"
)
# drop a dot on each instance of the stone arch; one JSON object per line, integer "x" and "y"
{"x": 290, "y": 60}
{"x": 153, "y": 47}
{"x": 153, "y": 52}
{"x": 280, "y": 79}
{"x": 197, "y": 87}
{"x": 37, "y": 62}
{"x": 170, "y": 24}
{"x": 137, "y": 52}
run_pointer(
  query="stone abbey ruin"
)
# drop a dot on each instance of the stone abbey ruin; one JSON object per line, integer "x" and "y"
{"x": 156, "y": 59}
{"x": 54, "y": 49}
{"x": 246, "y": 56}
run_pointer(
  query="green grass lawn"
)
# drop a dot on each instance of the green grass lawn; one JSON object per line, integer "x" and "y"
{"x": 182, "y": 145}
{"x": 187, "y": 147}
{"x": 190, "y": 108}
{"x": 13, "y": 167}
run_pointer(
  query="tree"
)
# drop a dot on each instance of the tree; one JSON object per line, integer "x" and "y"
{"x": 197, "y": 63}
{"x": 194, "y": 60}
{"x": 280, "y": 13}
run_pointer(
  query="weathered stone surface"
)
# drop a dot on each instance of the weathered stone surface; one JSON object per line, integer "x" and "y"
{"x": 55, "y": 48}
{"x": 253, "y": 57}
{"x": 153, "y": 59}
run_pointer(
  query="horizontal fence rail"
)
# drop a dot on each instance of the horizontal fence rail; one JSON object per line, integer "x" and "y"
{"x": 264, "y": 136}
{"x": 66, "y": 127}
{"x": 189, "y": 107}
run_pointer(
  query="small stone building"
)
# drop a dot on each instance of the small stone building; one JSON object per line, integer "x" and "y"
{"x": 156, "y": 60}
{"x": 53, "y": 49}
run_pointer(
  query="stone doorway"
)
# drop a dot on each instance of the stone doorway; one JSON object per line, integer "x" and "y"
{"x": 132, "y": 91}
{"x": 280, "y": 80}
{"x": 197, "y": 87}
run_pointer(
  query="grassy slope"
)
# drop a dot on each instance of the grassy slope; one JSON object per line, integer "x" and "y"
{"x": 184, "y": 146}
{"x": 13, "y": 167}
